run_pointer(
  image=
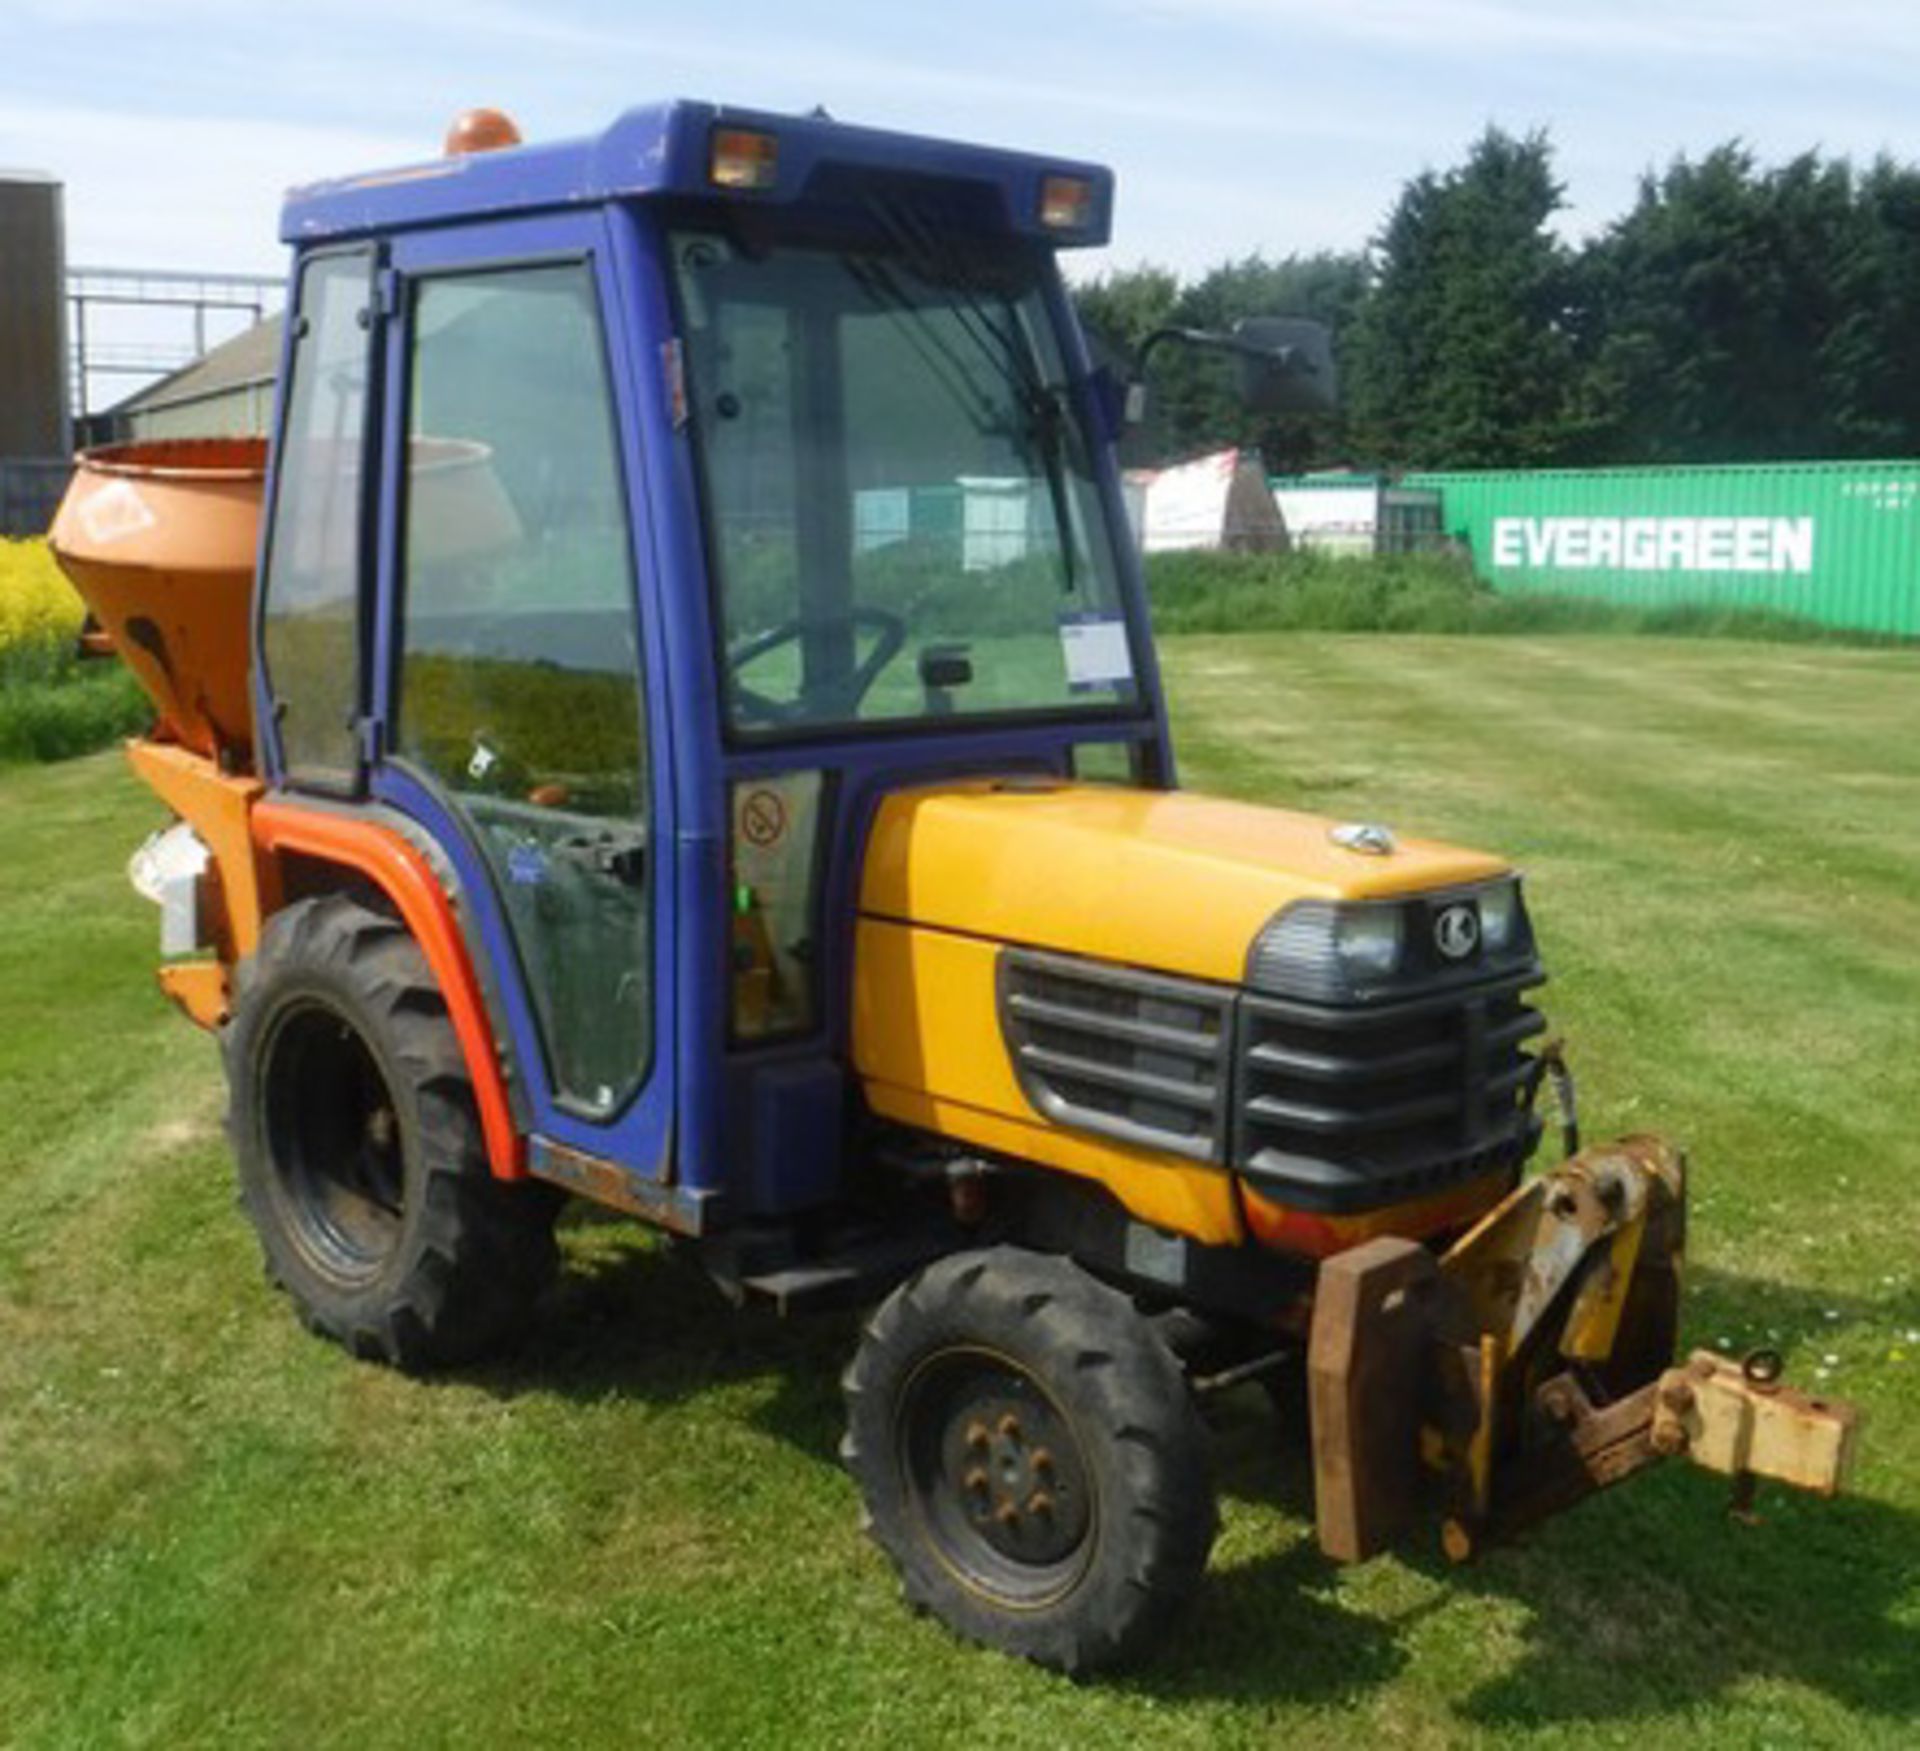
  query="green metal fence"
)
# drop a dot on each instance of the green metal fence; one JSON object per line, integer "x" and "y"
{"x": 1832, "y": 541}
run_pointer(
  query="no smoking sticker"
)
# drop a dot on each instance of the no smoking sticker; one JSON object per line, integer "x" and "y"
{"x": 763, "y": 819}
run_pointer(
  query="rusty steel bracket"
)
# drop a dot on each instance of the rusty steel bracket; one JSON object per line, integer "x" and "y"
{"x": 1587, "y": 1218}
{"x": 1367, "y": 1351}
{"x": 1725, "y": 1416}
{"x": 1531, "y": 1365}
{"x": 1580, "y": 1447}
{"x": 1736, "y": 1418}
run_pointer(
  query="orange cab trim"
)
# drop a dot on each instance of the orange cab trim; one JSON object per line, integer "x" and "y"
{"x": 404, "y": 876}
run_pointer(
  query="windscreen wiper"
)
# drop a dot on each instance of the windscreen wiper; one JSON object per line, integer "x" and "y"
{"x": 1008, "y": 351}
{"x": 945, "y": 366}
{"x": 1048, "y": 423}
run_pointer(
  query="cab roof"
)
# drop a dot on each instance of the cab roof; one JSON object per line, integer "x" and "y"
{"x": 663, "y": 150}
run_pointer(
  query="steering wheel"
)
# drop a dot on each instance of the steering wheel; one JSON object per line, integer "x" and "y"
{"x": 843, "y": 698}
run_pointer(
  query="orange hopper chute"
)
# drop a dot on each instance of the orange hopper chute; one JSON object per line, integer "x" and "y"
{"x": 160, "y": 539}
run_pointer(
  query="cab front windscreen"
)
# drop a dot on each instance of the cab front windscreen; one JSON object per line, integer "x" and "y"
{"x": 903, "y": 520}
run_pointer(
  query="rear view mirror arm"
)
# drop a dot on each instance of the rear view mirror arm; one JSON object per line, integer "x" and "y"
{"x": 1286, "y": 363}
{"x": 1212, "y": 340}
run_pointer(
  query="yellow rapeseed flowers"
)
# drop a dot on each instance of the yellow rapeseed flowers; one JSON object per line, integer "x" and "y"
{"x": 37, "y": 604}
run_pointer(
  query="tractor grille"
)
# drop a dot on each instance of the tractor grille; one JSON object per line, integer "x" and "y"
{"x": 1340, "y": 1109}
{"x": 1325, "y": 1108}
{"x": 1132, "y": 1055}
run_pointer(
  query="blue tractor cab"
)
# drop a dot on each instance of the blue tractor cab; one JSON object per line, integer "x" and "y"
{"x": 751, "y": 464}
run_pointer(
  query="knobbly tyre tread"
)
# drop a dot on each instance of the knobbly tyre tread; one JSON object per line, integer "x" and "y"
{"x": 1134, "y": 1414}
{"x": 474, "y": 1251}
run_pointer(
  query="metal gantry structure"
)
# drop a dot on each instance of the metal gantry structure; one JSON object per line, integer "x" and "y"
{"x": 90, "y": 289}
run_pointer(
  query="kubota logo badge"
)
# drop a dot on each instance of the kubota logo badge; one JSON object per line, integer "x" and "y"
{"x": 1456, "y": 932}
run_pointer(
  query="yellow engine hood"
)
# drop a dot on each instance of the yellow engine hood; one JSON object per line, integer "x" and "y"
{"x": 1162, "y": 879}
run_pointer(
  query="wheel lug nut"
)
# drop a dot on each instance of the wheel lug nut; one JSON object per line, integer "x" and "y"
{"x": 1040, "y": 1503}
{"x": 1009, "y": 1427}
{"x": 975, "y": 1482}
{"x": 1041, "y": 1461}
{"x": 978, "y": 1437}
{"x": 1008, "y": 1514}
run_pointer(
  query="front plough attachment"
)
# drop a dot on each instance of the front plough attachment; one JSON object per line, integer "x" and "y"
{"x": 1532, "y": 1364}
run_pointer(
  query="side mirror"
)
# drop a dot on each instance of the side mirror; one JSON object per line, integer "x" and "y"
{"x": 1285, "y": 365}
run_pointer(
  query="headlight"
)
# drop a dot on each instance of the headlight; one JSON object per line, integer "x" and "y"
{"x": 1367, "y": 943}
{"x": 1499, "y": 917}
{"x": 1341, "y": 951}
{"x": 1316, "y": 948}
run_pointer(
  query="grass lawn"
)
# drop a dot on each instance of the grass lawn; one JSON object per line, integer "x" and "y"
{"x": 217, "y": 1530}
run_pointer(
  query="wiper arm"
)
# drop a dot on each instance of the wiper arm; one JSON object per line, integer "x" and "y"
{"x": 1047, "y": 418}
{"x": 945, "y": 366}
{"x": 1008, "y": 350}
{"x": 921, "y": 248}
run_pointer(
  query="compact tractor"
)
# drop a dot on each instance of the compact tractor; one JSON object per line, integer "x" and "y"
{"x": 671, "y": 720}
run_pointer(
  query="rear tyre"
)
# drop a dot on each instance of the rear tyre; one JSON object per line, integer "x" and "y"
{"x": 359, "y": 1151}
{"x": 1030, "y": 1458}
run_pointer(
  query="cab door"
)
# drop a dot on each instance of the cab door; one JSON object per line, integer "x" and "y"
{"x": 517, "y": 721}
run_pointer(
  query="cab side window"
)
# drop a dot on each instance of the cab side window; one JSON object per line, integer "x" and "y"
{"x": 311, "y": 620}
{"x": 520, "y": 672}
{"x": 522, "y": 661}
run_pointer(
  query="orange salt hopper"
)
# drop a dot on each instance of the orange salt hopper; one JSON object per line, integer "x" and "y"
{"x": 160, "y": 538}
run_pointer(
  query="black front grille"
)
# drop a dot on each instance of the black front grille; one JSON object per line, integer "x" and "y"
{"x": 1328, "y": 1108}
{"x": 1132, "y": 1055}
{"x": 1339, "y": 1109}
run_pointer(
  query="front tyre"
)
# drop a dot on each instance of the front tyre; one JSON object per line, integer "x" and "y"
{"x": 1030, "y": 1458}
{"x": 359, "y": 1151}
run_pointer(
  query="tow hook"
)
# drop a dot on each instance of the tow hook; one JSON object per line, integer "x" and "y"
{"x": 1739, "y": 1418}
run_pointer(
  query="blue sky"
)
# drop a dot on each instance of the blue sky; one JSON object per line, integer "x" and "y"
{"x": 1235, "y": 125}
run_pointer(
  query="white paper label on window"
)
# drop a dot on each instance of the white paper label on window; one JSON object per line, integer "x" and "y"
{"x": 1095, "y": 648}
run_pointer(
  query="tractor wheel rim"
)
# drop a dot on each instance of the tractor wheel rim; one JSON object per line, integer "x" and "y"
{"x": 996, "y": 1476}
{"x": 333, "y": 1138}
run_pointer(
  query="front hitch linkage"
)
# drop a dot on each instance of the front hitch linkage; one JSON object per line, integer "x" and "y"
{"x": 1532, "y": 1365}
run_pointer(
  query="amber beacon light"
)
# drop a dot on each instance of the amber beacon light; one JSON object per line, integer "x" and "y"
{"x": 481, "y": 130}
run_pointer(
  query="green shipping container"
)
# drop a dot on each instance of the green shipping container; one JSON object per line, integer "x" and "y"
{"x": 1832, "y": 541}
